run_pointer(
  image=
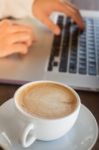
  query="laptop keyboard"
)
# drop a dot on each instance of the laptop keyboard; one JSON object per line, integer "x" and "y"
{"x": 74, "y": 51}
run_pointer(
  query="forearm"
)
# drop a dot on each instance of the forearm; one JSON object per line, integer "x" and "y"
{"x": 16, "y": 8}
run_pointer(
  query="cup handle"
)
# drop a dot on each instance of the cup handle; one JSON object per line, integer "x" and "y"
{"x": 28, "y": 136}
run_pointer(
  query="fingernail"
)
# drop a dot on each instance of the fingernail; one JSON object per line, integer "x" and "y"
{"x": 57, "y": 31}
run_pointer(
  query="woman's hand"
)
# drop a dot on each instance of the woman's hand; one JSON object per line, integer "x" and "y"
{"x": 15, "y": 38}
{"x": 42, "y": 9}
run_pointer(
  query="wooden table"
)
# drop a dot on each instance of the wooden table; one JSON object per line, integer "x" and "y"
{"x": 89, "y": 99}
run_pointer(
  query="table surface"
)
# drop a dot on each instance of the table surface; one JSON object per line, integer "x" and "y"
{"x": 89, "y": 99}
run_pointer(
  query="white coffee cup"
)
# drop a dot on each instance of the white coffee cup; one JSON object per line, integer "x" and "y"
{"x": 43, "y": 128}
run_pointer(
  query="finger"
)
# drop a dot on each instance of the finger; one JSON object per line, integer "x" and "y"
{"x": 26, "y": 29}
{"x": 8, "y": 26}
{"x": 4, "y": 24}
{"x": 73, "y": 12}
{"x": 20, "y": 37}
{"x": 19, "y": 28}
{"x": 19, "y": 48}
{"x": 14, "y": 48}
{"x": 53, "y": 27}
{"x": 69, "y": 4}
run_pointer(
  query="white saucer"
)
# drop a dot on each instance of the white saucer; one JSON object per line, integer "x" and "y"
{"x": 81, "y": 137}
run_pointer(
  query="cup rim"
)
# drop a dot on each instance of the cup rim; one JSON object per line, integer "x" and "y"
{"x": 23, "y": 112}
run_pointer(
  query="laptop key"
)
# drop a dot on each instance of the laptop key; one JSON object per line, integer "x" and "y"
{"x": 55, "y": 50}
{"x": 60, "y": 21}
{"x": 55, "y": 45}
{"x": 55, "y": 64}
{"x": 72, "y": 68}
{"x": 73, "y": 52}
{"x": 50, "y": 65}
{"x": 63, "y": 65}
{"x": 92, "y": 70}
{"x": 98, "y": 63}
{"x": 65, "y": 46}
{"x": 64, "y": 58}
{"x": 82, "y": 71}
{"x": 98, "y": 60}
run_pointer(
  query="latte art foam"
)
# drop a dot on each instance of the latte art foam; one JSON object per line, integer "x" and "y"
{"x": 47, "y": 100}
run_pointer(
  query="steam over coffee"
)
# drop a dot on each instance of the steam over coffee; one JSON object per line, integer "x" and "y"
{"x": 47, "y": 100}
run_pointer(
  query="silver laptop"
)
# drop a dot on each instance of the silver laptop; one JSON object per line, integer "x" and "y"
{"x": 71, "y": 58}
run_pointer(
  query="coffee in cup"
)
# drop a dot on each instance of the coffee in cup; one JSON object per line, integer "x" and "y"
{"x": 47, "y": 100}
